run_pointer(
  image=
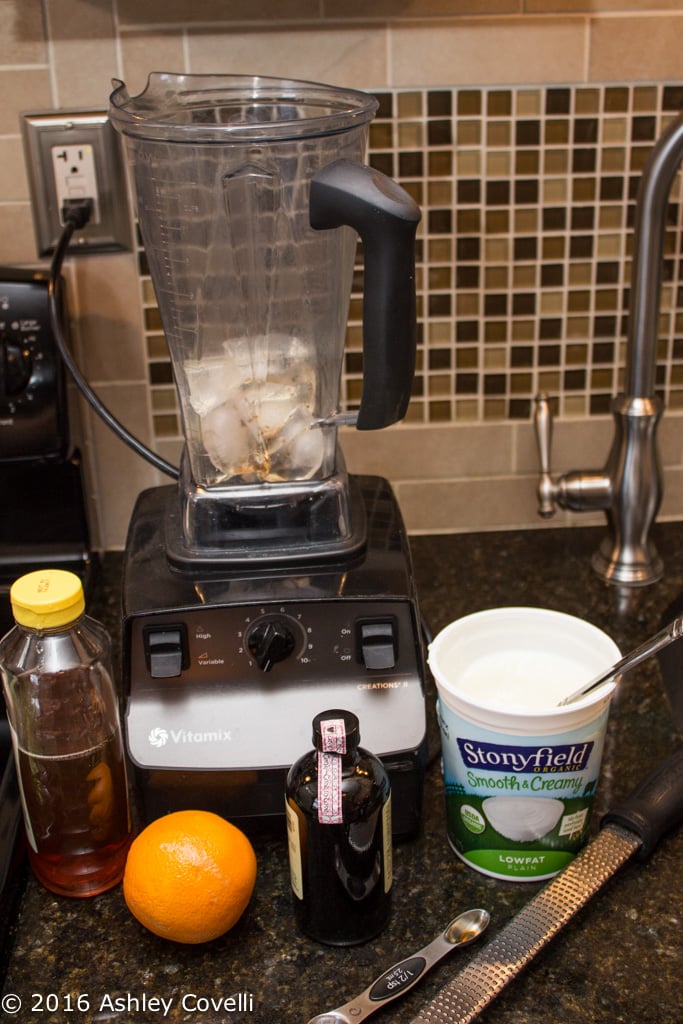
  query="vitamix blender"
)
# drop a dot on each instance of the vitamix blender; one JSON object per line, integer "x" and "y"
{"x": 269, "y": 584}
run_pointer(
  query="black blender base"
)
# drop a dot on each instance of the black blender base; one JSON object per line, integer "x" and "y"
{"x": 220, "y": 734}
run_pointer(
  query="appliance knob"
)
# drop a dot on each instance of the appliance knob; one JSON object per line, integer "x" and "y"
{"x": 17, "y": 367}
{"x": 269, "y": 642}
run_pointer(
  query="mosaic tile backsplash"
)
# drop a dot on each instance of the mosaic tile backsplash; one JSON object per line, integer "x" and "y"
{"x": 523, "y": 255}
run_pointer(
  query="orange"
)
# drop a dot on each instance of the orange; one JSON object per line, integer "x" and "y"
{"x": 189, "y": 876}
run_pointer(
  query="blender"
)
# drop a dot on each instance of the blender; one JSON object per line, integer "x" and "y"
{"x": 268, "y": 583}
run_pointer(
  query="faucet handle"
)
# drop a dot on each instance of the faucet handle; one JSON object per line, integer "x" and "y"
{"x": 543, "y": 424}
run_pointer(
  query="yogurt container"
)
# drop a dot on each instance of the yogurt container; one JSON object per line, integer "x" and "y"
{"x": 520, "y": 773}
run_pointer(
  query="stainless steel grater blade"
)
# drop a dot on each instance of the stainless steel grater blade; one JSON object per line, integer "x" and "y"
{"x": 635, "y": 826}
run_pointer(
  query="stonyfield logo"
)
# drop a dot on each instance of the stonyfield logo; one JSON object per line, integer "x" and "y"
{"x": 499, "y": 758}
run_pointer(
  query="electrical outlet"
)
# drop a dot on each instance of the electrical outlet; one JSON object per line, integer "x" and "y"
{"x": 76, "y": 154}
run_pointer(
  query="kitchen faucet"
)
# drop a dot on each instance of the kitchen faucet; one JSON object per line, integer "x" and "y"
{"x": 629, "y": 488}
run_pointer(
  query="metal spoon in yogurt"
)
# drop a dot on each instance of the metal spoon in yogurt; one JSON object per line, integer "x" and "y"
{"x": 674, "y": 631}
{"x": 406, "y": 973}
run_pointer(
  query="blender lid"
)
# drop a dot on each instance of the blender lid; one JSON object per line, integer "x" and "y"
{"x": 239, "y": 108}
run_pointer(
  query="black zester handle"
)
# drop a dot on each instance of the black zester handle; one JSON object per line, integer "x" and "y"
{"x": 656, "y": 806}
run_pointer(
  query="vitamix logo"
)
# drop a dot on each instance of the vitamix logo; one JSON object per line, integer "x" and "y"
{"x": 495, "y": 758}
{"x": 160, "y": 737}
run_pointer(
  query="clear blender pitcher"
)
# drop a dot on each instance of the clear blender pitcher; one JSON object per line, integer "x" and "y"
{"x": 250, "y": 195}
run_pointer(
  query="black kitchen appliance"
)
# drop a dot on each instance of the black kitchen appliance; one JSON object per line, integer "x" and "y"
{"x": 269, "y": 584}
{"x": 42, "y": 513}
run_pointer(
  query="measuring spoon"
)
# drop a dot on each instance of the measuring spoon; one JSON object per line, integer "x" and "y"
{"x": 402, "y": 976}
{"x": 674, "y": 631}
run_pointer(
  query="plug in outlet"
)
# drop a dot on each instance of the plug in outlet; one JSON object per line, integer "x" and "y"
{"x": 75, "y": 177}
{"x": 71, "y": 155}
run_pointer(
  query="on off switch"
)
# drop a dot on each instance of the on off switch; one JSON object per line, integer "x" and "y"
{"x": 377, "y": 641}
{"x": 165, "y": 651}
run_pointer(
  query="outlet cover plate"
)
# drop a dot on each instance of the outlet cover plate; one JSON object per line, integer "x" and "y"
{"x": 110, "y": 230}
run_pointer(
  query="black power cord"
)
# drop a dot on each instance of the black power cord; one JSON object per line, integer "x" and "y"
{"x": 76, "y": 214}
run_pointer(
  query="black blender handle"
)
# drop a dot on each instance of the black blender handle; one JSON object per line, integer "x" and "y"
{"x": 386, "y": 218}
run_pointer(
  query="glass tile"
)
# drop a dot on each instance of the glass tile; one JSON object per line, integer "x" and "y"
{"x": 494, "y": 409}
{"x": 468, "y": 163}
{"x": 554, "y": 218}
{"x": 439, "y": 278}
{"x": 383, "y": 162}
{"x": 495, "y": 358}
{"x": 152, "y": 319}
{"x": 528, "y": 102}
{"x": 613, "y": 159}
{"x": 555, "y": 190}
{"x": 440, "y": 359}
{"x": 160, "y": 373}
{"x": 552, "y": 275}
{"x": 381, "y": 136}
{"x": 557, "y": 101}
{"x": 608, "y": 245}
{"x": 584, "y": 160}
{"x": 468, "y": 222}
{"x": 467, "y": 358}
{"x": 498, "y": 164}
{"x": 556, "y": 133}
{"x": 549, "y": 381}
{"x": 166, "y": 426}
{"x": 553, "y": 247}
{"x": 438, "y": 332}
{"x": 582, "y": 218}
{"x": 496, "y": 278}
{"x": 606, "y": 299}
{"x": 498, "y": 193}
{"x": 440, "y": 384}
{"x": 578, "y": 301}
{"x": 497, "y": 250}
{"x": 410, "y": 136}
{"x": 156, "y": 346}
{"x": 469, "y": 133}
{"x": 576, "y": 355}
{"x": 466, "y": 410}
{"x": 583, "y": 190}
{"x": 410, "y": 165}
{"x": 528, "y": 133}
{"x": 495, "y": 332}
{"x": 439, "y": 250}
{"x": 523, "y": 276}
{"x": 439, "y": 103}
{"x": 496, "y": 304}
{"x": 497, "y": 221}
{"x": 467, "y": 330}
{"x": 585, "y": 131}
{"x": 498, "y": 133}
{"x": 410, "y": 104}
{"x": 551, "y": 302}
{"x": 616, "y": 99}
{"x": 440, "y": 193}
{"x": 578, "y": 327}
{"x": 523, "y": 304}
{"x": 523, "y": 330}
{"x": 672, "y": 97}
{"x": 439, "y": 164}
{"x": 163, "y": 399}
{"x": 521, "y": 355}
{"x": 556, "y": 161}
{"x": 521, "y": 383}
{"x": 440, "y": 222}
{"x": 526, "y": 191}
{"x": 550, "y": 328}
{"x": 469, "y": 190}
{"x": 466, "y": 383}
{"x": 386, "y": 104}
{"x": 639, "y": 157}
{"x": 439, "y": 305}
{"x": 601, "y": 379}
{"x": 439, "y": 133}
{"x": 469, "y": 102}
{"x": 148, "y": 294}
{"x": 467, "y": 305}
{"x": 525, "y": 221}
{"x": 525, "y": 248}
{"x": 527, "y": 162}
{"x": 643, "y": 129}
{"x": 580, "y": 273}
{"x": 499, "y": 103}
{"x": 587, "y": 101}
{"x": 575, "y": 405}
{"x": 614, "y": 130}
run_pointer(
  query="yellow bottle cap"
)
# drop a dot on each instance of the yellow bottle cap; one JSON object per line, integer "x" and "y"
{"x": 47, "y": 598}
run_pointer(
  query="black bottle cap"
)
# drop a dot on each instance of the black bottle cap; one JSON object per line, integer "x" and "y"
{"x": 351, "y": 727}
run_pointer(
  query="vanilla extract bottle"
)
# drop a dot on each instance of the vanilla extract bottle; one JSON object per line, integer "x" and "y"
{"x": 338, "y": 804}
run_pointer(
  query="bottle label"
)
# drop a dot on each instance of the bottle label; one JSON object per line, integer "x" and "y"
{"x": 296, "y": 874}
{"x": 330, "y": 771}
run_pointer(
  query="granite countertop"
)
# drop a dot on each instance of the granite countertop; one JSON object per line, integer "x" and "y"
{"x": 619, "y": 960}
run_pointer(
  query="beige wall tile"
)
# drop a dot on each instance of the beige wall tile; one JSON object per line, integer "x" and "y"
{"x": 152, "y": 12}
{"x": 118, "y": 474}
{"x": 22, "y": 32}
{"x": 83, "y": 50}
{"x": 635, "y": 48}
{"x": 142, "y": 52}
{"x": 586, "y": 6}
{"x": 108, "y": 317}
{"x": 417, "y": 8}
{"x": 22, "y": 90}
{"x": 340, "y": 56}
{"x": 480, "y": 52}
{"x": 13, "y": 180}
{"x": 437, "y": 452}
{"x": 17, "y": 241}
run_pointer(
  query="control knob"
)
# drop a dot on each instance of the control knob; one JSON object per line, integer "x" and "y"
{"x": 269, "y": 642}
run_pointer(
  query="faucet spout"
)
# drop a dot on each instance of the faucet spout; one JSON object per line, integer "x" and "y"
{"x": 630, "y": 487}
{"x": 648, "y": 249}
